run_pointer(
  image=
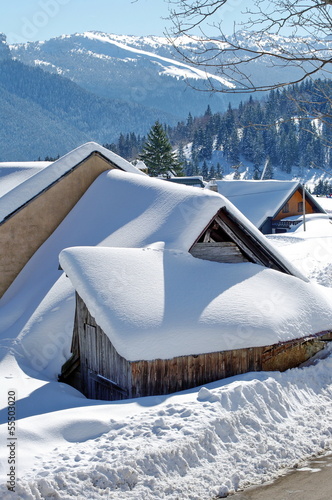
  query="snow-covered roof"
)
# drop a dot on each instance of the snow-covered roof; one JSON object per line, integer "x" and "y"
{"x": 145, "y": 288}
{"x": 154, "y": 303}
{"x": 258, "y": 200}
{"x": 14, "y": 173}
{"x": 32, "y": 186}
{"x": 136, "y": 211}
{"x": 141, "y": 165}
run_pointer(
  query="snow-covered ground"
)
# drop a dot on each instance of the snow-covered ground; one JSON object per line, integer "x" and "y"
{"x": 310, "y": 250}
{"x": 199, "y": 444}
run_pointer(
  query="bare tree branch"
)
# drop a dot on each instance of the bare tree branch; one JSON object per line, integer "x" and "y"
{"x": 231, "y": 56}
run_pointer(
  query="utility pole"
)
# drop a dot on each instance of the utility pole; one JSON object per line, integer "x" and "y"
{"x": 303, "y": 201}
{"x": 267, "y": 161}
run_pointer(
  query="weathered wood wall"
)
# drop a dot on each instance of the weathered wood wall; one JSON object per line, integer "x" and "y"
{"x": 226, "y": 251}
{"x": 98, "y": 357}
{"x": 108, "y": 376}
{"x": 185, "y": 372}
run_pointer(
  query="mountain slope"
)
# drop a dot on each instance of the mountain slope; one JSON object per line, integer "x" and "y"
{"x": 44, "y": 114}
{"x": 148, "y": 70}
{"x": 28, "y": 132}
{"x": 145, "y": 70}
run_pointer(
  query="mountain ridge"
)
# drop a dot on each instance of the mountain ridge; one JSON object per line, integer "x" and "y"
{"x": 47, "y": 114}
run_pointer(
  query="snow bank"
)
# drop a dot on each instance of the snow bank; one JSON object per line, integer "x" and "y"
{"x": 199, "y": 444}
{"x": 196, "y": 445}
{"x": 153, "y": 303}
{"x": 324, "y": 202}
{"x": 310, "y": 250}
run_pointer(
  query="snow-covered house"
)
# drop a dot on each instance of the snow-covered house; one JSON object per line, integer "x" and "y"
{"x": 13, "y": 173}
{"x": 36, "y": 197}
{"x": 194, "y": 180}
{"x": 183, "y": 291}
{"x": 269, "y": 204}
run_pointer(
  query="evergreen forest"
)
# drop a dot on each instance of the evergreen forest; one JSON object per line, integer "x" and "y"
{"x": 291, "y": 127}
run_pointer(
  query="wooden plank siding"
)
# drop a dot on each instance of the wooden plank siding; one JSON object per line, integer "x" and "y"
{"x": 231, "y": 230}
{"x": 98, "y": 357}
{"x": 102, "y": 369}
{"x": 227, "y": 252}
{"x": 293, "y": 206}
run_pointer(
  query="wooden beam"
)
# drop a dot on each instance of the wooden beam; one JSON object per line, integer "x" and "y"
{"x": 107, "y": 382}
{"x": 226, "y": 252}
{"x": 250, "y": 244}
{"x": 251, "y": 256}
{"x": 69, "y": 367}
{"x": 207, "y": 236}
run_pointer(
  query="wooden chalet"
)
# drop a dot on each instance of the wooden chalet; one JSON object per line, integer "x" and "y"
{"x": 273, "y": 206}
{"x": 160, "y": 340}
{"x": 98, "y": 371}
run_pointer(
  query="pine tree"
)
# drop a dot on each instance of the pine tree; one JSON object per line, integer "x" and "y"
{"x": 190, "y": 126}
{"x": 257, "y": 174}
{"x": 212, "y": 173}
{"x": 236, "y": 175}
{"x": 189, "y": 169}
{"x": 219, "y": 171}
{"x": 205, "y": 171}
{"x": 319, "y": 188}
{"x": 157, "y": 153}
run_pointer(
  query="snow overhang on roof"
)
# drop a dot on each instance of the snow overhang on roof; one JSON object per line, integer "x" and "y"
{"x": 155, "y": 303}
{"x": 43, "y": 179}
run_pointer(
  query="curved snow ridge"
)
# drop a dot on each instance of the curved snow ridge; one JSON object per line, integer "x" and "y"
{"x": 198, "y": 444}
{"x": 192, "y": 72}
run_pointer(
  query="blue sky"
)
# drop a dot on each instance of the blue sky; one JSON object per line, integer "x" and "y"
{"x": 30, "y": 20}
{"x": 23, "y": 20}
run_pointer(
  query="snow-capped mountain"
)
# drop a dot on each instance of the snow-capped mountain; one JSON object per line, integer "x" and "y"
{"x": 110, "y": 84}
{"x": 148, "y": 70}
{"x": 145, "y": 70}
{"x": 45, "y": 114}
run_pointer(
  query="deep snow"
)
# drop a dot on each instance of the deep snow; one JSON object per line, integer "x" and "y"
{"x": 155, "y": 303}
{"x": 196, "y": 445}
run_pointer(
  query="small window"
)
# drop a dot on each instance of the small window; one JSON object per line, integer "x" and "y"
{"x": 300, "y": 206}
{"x": 285, "y": 209}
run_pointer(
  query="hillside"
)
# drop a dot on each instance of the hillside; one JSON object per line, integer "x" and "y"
{"x": 286, "y": 135}
{"x": 46, "y": 114}
{"x": 148, "y": 69}
{"x": 143, "y": 70}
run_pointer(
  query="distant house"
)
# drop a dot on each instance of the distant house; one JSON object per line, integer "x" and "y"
{"x": 187, "y": 291}
{"x": 270, "y": 204}
{"x": 141, "y": 166}
{"x": 195, "y": 180}
{"x": 12, "y": 174}
{"x": 36, "y": 197}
